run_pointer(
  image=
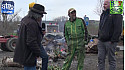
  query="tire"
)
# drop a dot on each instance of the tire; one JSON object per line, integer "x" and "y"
{"x": 3, "y": 47}
{"x": 11, "y": 44}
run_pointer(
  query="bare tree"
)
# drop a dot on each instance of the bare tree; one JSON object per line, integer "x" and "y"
{"x": 99, "y": 7}
{"x": 8, "y": 20}
{"x": 61, "y": 18}
{"x": 61, "y": 21}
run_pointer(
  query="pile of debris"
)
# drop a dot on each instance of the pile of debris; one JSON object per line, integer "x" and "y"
{"x": 8, "y": 62}
{"x": 92, "y": 46}
{"x": 55, "y": 46}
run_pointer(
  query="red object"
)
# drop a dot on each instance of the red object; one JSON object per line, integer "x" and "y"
{"x": 50, "y": 23}
{"x": 5, "y": 38}
{"x": 119, "y": 3}
{"x": 61, "y": 50}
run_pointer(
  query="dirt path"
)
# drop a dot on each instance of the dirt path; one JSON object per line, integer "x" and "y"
{"x": 89, "y": 64}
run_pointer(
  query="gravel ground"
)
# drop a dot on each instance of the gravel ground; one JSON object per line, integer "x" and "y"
{"x": 89, "y": 64}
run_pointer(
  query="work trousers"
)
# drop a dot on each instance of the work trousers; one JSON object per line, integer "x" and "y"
{"x": 106, "y": 48}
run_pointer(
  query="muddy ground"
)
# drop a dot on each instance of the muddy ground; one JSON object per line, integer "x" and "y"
{"x": 89, "y": 64}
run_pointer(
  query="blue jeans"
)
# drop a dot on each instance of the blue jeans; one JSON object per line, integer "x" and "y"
{"x": 29, "y": 68}
{"x": 44, "y": 57}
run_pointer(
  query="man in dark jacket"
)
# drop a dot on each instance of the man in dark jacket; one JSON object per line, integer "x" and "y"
{"x": 29, "y": 47}
{"x": 110, "y": 29}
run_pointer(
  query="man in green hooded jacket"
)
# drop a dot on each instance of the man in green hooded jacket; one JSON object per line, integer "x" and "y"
{"x": 75, "y": 32}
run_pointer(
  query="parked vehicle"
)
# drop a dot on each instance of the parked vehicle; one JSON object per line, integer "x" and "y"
{"x": 8, "y": 43}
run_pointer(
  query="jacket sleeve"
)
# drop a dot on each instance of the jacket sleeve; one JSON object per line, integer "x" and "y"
{"x": 99, "y": 24}
{"x": 31, "y": 38}
{"x": 117, "y": 22}
{"x": 85, "y": 30}
{"x": 65, "y": 33}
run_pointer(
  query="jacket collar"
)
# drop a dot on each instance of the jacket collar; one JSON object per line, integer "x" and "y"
{"x": 39, "y": 24}
{"x": 73, "y": 20}
{"x": 107, "y": 11}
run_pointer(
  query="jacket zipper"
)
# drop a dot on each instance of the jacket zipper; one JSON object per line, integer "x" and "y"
{"x": 76, "y": 35}
{"x": 71, "y": 35}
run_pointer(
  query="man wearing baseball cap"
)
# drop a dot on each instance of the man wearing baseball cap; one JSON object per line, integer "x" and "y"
{"x": 28, "y": 47}
{"x": 75, "y": 32}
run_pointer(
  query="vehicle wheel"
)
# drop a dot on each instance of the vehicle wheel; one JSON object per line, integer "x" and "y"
{"x": 3, "y": 47}
{"x": 11, "y": 44}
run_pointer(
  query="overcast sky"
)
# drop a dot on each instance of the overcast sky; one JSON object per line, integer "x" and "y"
{"x": 56, "y": 8}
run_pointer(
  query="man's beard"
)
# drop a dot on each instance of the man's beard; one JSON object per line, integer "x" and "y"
{"x": 74, "y": 18}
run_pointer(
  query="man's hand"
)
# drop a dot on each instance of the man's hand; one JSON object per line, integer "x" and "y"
{"x": 44, "y": 32}
{"x": 111, "y": 42}
{"x": 85, "y": 42}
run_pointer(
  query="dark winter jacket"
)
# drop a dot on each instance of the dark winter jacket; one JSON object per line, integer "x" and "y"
{"x": 28, "y": 43}
{"x": 110, "y": 27}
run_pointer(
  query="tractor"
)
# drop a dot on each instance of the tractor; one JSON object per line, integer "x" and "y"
{"x": 8, "y": 43}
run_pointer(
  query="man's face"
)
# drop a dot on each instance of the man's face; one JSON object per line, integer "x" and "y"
{"x": 40, "y": 18}
{"x": 72, "y": 15}
{"x": 106, "y": 5}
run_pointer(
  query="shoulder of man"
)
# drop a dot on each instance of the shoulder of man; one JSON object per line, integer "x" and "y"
{"x": 80, "y": 18}
{"x": 66, "y": 22}
{"x": 28, "y": 21}
{"x": 115, "y": 15}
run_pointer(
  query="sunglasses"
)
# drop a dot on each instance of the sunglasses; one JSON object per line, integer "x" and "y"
{"x": 42, "y": 15}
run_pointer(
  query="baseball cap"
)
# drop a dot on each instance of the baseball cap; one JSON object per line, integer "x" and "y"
{"x": 71, "y": 10}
